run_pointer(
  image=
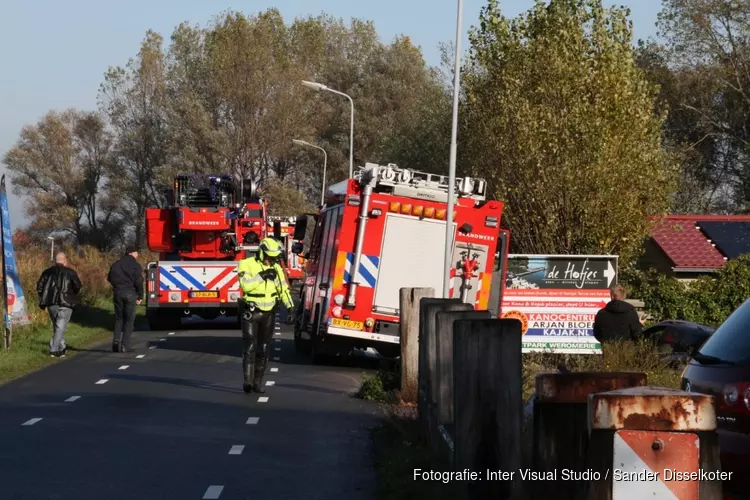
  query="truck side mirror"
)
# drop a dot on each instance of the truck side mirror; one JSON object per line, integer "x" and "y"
{"x": 277, "y": 230}
{"x": 300, "y": 228}
{"x": 297, "y": 248}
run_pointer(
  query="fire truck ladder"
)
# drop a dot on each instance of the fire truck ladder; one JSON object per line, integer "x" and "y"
{"x": 415, "y": 184}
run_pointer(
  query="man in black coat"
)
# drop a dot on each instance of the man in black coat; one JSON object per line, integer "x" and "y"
{"x": 126, "y": 278}
{"x": 618, "y": 320}
{"x": 58, "y": 289}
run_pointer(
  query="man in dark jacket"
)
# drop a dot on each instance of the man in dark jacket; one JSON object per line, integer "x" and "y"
{"x": 126, "y": 278}
{"x": 618, "y": 320}
{"x": 58, "y": 289}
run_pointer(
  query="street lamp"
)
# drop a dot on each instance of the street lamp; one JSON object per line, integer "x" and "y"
{"x": 318, "y": 87}
{"x": 52, "y": 247}
{"x": 325, "y": 164}
{"x": 449, "y": 233}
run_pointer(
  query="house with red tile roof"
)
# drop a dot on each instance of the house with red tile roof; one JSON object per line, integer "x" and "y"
{"x": 689, "y": 246}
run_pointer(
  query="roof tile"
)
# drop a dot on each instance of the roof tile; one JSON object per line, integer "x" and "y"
{"x": 685, "y": 244}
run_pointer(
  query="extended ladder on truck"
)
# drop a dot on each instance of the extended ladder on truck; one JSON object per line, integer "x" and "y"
{"x": 209, "y": 225}
{"x": 379, "y": 232}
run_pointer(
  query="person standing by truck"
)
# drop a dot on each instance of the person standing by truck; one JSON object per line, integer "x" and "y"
{"x": 126, "y": 278}
{"x": 263, "y": 286}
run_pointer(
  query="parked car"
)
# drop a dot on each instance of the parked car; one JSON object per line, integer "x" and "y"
{"x": 721, "y": 368}
{"x": 678, "y": 339}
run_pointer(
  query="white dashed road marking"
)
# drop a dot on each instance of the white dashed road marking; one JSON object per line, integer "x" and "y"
{"x": 124, "y": 367}
{"x": 278, "y": 327}
{"x": 277, "y": 349}
{"x": 236, "y": 449}
{"x": 274, "y": 369}
{"x": 270, "y": 382}
{"x": 152, "y": 347}
{"x": 162, "y": 340}
{"x": 213, "y": 492}
{"x": 170, "y": 333}
{"x": 102, "y": 381}
{"x": 140, "y": 356}
{"x": 277, "y": 340}
{"x": 263, "y": 399}
{"x": 32, "y": 421}
{"x": 276, "y": 359}
{"x": 252, "y": 420}
{"x": 72, "y": 398}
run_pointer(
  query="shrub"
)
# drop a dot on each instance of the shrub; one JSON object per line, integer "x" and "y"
{"x": 382, "y": 387}
{"x": 707, "y": 300}
{"x": 623, "y": 356}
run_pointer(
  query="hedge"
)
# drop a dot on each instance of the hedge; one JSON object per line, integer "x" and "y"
{"x": 707, "y": 300}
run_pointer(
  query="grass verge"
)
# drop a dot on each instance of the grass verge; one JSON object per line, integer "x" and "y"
{"x": 29, "y": 352}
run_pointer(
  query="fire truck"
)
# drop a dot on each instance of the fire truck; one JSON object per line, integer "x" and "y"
{"x": 210, "y": 223}
{"x": 284, "y": 227}
{"x": 383, "y": 230}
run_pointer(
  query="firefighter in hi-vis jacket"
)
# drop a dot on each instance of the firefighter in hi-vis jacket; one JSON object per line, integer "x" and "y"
{"x": 263, "y": 286}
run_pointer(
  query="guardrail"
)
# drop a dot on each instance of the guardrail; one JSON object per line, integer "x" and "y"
{"x": 463, "y": 369}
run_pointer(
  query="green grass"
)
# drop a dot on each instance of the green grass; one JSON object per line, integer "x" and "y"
{"x": 29, "y": 351}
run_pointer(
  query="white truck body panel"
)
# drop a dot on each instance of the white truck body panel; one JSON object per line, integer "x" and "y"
{"x": 412, "y": 255}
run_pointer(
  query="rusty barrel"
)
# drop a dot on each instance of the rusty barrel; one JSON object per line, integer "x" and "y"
{"x": 561, "y": 426}
{"x": 653, "y": 442}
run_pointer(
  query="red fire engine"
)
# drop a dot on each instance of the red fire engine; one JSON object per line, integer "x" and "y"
{"x": 381, "y": 231}
{"x": 294, "y": 263}
{"x": 209, "y": 225}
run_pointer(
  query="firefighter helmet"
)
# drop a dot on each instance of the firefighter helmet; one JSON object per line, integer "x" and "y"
{"x": 270, "y": 248}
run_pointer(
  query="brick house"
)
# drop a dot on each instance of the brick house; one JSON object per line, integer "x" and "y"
{"x": 689, "y": 246}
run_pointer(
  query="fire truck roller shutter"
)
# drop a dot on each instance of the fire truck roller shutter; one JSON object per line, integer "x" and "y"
{"x": 411, "y": 256}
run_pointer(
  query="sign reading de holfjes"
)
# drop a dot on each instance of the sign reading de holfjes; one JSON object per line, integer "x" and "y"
{"x": 16, "y": 312}
{"x": 556, "y": 298}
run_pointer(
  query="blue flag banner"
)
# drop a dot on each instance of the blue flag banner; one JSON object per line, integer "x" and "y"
{"x": 16, "y": 312}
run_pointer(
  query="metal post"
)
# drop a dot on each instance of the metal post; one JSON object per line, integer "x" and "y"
{"x": 452, "y": 166}
{"x": 351, "y": 139}
{"x": 318, "y": 87}
{"x": 323, "y": 188}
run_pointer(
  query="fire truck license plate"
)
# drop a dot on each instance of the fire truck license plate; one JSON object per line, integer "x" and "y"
{"x": 204, "y": 295}
{"x": 345, "y": 323}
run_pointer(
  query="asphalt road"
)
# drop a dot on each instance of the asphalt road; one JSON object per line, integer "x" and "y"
{"x": 171, "y": 422}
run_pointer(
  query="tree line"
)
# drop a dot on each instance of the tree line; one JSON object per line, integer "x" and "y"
{"x": 581, "y": 133}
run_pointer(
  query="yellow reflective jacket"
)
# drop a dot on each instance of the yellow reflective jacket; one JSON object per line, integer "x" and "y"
{"x": 264, "y": 293}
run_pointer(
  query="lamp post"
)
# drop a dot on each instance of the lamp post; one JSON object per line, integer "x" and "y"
{"x": 325, "y": 165}
{"x": 318, "y": 87}
{"x": 449, "y": 233}
{"x": 51, "y": 247}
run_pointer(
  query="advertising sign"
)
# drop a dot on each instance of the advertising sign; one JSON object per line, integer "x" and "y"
{"x": 556, "y": 298}
{"x": 16, "y": 312}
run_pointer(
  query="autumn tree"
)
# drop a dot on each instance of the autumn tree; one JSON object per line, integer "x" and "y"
{"x": 560, "y": 120}
{"x": 61, "y": 166}
{"x": 706, "y": 62}
{"x": 227, "y": 98}
{"x": 134, "y": 100}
